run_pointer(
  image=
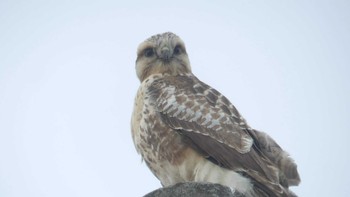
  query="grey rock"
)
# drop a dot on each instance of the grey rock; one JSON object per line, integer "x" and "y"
{"x": 194, "y": 189}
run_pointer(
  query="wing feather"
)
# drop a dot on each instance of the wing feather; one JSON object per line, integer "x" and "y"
{"x": 214, "y": 127}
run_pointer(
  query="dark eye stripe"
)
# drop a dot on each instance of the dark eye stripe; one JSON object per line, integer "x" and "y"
{"x": 149, "y": 52}
{"x": 177, "y": 50}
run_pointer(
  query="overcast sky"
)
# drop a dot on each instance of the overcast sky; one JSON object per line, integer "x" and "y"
{"x": 68, "y": 81}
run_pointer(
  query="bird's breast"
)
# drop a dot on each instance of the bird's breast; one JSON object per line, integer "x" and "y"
{"x": 153, "y": 139}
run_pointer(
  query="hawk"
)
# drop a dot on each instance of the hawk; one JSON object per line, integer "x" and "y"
{"x": 186, "y": 130}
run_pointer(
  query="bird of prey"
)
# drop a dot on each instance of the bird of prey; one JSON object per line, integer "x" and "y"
{"x": 187, "y": 131}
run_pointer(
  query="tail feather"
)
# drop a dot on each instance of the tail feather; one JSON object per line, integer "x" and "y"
{"x": 281, "y": 159}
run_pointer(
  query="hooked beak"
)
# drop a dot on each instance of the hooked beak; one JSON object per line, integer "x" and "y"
{"x": 165, "y": 53}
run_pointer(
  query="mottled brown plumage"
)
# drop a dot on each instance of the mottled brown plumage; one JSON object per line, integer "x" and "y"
{"x": 187, "y": 131}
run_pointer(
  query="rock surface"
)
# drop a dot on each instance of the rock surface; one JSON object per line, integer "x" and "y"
{"x": 194, "y": 189}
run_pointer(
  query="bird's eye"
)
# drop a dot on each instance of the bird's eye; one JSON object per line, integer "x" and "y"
{"x": 149, "y": 52}
{"x": 177, "y": 50}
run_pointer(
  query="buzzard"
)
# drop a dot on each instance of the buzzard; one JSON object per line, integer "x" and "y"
{"x": 186, "y": 130}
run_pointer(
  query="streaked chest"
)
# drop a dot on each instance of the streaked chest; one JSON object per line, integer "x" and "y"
{"x": 153, "y": 139}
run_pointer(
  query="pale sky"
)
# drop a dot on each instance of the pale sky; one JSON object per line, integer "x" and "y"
{"x": 68, "y": 81}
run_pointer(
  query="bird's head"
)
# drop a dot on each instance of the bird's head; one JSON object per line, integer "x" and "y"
{"x": 162, "y": 54}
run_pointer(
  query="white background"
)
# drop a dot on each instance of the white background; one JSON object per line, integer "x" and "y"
{"x": 67, "y": 86}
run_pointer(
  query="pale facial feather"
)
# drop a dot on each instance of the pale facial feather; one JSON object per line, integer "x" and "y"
{"x": 150, "y": 61}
